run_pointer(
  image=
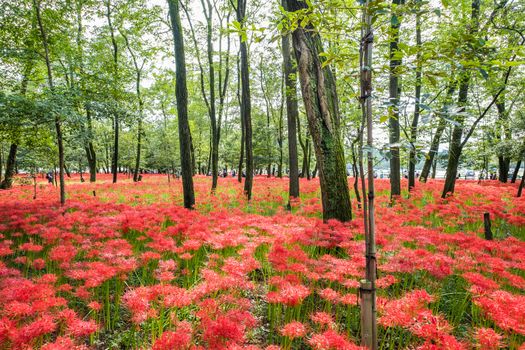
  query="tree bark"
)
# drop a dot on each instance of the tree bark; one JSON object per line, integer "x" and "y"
{"x": 516, "y": 171}
{"x": 415, "y": 120}
{"x": 116, "y": 123}
{"x": 58, "y": 122}
{"x": 320, "y": 100}
{"x": 431, "y": 159}
{"x": 503, "y": 160}
{"x": 457, "y": 133}
{"x": 246, "y": 108}
{"x": 7, "y": 182}
{"x": 368, "y": 286}
{"x": 140, "y": 130}
{"x": 181, "y": 91}
{"x": 243, "y": 133}
{"x": 522, "y": 184}
{"x": 394, "y": 91}
{"x": 90, "y": 149}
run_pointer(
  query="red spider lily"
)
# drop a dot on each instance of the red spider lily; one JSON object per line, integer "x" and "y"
{"x": 293, "y": 330}
{"x": 505, "y": 309}
{"x": 331, "y": 340}
{"x": 180, "y": 339}
{"x": 488, "y": 339}
{"x": 323, "y": 319}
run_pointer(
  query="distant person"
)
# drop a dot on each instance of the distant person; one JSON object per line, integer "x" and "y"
{"x": 49, "y": 177}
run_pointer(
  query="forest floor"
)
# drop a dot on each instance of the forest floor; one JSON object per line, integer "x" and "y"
{"x": 130, "y": 268}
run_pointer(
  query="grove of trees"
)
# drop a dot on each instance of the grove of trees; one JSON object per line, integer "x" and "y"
{"x": 251, "y": 87}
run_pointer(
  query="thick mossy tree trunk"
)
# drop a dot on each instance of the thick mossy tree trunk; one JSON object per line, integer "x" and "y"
{"x": 436, "y": 140}
{"x": 292, "y": 114}
{"x": 181, "y": 91}
{"x": 320, "y": 100}
{"x": 394, "y": 91}
{"x": 455, "y": 150}
{"x": 7, "y": 182}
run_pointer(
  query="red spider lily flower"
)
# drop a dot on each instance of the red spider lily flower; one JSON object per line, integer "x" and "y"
{"x": 487, "y": 339}
{"x": 222, "y": 331}
{"x": 289, "y": 294}
{"x": 39, "y": 264}
{"x": 63, "y": 343}
{"x": 331, "y": 340}
{"x": 323, "y": 319}
{"x": 293, "y": 330}
{"x": 30, "y": 247}
{"x": 180, "y": 339}
{"x": 95, "y": 306}
{"x": 480, "y": 283}
{"x": 329, "y": 294}
{"x": 505, "y": 309}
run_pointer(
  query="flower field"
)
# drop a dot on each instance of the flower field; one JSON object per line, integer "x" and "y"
{"x": 124, "y": 266}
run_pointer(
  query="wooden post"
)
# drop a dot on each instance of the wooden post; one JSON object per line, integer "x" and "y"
{"x": 487, "y": 224}
{"x": 367, "y": 314}
{"x": 94, "y": 194}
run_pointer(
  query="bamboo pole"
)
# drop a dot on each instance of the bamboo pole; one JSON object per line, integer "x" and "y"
{"x": 367, "y": 287}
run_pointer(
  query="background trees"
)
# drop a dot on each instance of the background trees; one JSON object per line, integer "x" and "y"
{"x": 448, "y": 78}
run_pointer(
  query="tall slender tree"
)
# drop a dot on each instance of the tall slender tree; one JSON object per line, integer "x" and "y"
{"x": 394, "y": 92}
{"x": 246, "y": 106}
{"x": 58, "y": 121}
{"x": 292, "y": 113}
{"x": 181, "y": 92}
{"x": 115, "y": 82}
{"x": 417, "y": 109}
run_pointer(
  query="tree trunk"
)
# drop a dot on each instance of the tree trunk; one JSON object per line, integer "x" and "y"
{"x": 355, "y": 172}
{"x": 516, "y": 171}
{"x": 292, "y": 115}
{"x": 140, "y": 130}
{"x": 320, "y": 100}
{"x": 431, "y": 158}
{"x": 415, "y": 120}
{"x": 7, "y": 182}
{"x": 114, "y": 161}
{"x": 246, "y": 108}
{"x": 139, "y": 147}
{"x": 90, "y": 149}
{"x": 503, "y": 160}
{"x": 116, "y": 123}
{"x": 1, "y": 161}
{"x": 239, "y": 99}
{"x": 303, "y": 148}
{"x": 457, "y": 133}
{"x": 522, "y": 184}
{"x": 181, "y": 92}
{"x": 394, "y": 91}
{"x": 58, "y": 122}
